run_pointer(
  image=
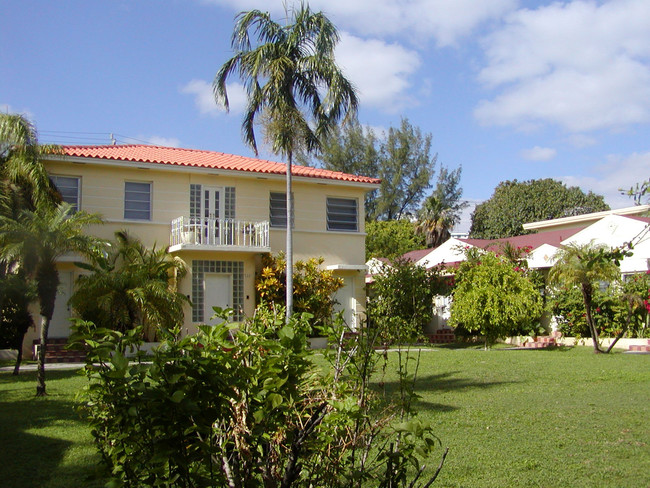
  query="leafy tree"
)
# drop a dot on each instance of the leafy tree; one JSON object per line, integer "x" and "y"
{"x": 585, "y": 266}
{"x": 406, "y": 167}
{"x": 401, "y": 303}
{"x": 36, "y": 240}
{"x": 514, "y": 203}
{"x": 441, "y": 211}
{"x": 493, "y": 296}
{"x": 391, "y": 238}
{"x": 131, "y": 286}
{"x": 16, "y": 294}
{"x": 638, "y": 192}
{"x": 314, "y": 288}
{"x": 292, "y": 79}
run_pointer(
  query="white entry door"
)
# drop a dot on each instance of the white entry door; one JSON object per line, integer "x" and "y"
{"x": 212, "y": 204}
{"x": 346, "y": 303}
{"x": 60, "y": 324}
{"x": 217, "y": 292}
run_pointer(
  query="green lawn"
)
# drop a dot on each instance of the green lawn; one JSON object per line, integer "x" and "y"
{"x": 557, "y": 418}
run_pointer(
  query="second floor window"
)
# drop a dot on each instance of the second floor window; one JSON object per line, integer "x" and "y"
{"x": 137, "y": 200}
{"x": 69, "y": 188}
{"x": 278, "y": 210}
{"x": 342, "y": 214}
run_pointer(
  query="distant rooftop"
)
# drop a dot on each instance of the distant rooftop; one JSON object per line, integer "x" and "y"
{"x": 585, "y": 219}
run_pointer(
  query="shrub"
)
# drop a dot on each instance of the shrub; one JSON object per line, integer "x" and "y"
{"x": 247, "y": 406}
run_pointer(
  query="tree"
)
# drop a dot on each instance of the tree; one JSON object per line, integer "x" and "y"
{"x": 24, "y": 184}
{"x": 391, "y": 238}
{"x": 406, "y": 167}
{"x": 131, "y": 286}
{"x": 585, "y": 265}
{"x": 441, "y": 210}
{"x": 36, "y": 240}
{"x": 493, "y": 296}
{"x": 291, "y": 78}
{"x": 514, "y": 203}
{"x": 638, "y": 192}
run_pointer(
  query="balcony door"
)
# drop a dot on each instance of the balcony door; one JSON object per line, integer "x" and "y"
{"x": 212, "y": 205}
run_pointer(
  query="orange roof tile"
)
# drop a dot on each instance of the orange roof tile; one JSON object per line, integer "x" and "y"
{"x": 205, "y": 159}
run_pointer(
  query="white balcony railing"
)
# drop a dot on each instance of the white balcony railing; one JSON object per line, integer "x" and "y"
{"x": 224, "y": 233}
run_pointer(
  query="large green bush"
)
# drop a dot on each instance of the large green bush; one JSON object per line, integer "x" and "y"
{"x": 245, "y": 406}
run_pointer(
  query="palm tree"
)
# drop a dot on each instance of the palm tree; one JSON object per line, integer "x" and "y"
{"x": 131, "y": 286}
{"x": 293, "y": 82}
{"x": 434, "y": 222}
{"x": 36, "y": 240}
{"x": 584, "y": 266}
{"x": 24, "y": 184}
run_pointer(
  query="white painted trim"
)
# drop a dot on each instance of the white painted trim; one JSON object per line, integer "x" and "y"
{"x": 578, "y": 219}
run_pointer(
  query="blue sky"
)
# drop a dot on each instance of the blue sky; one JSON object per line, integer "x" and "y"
{"x": 509, "y": 89}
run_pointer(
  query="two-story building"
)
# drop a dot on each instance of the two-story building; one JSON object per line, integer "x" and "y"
{"x": 219, "y": 213}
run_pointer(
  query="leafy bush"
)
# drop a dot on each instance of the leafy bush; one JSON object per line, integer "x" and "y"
{"x": 401, "y": 302}
{"x": 313, "y": 288}
{"x": 248, "y": 407}
{"x": 495, "y": 297}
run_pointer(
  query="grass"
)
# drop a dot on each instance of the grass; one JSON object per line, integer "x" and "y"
{"x": 553, "y": 418}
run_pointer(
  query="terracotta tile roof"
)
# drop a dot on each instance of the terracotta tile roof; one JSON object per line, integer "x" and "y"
{"x": 205, "y": 159}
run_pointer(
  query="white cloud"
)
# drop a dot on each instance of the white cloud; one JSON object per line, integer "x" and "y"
{"x": 581, "y": 141}
{"x": 442, "y": 20}
{"x": 617, "y": 172}
{"x": 538, "y": 153}
{"x": 579, "y": 65}
{"x": 204, "y": 97}
{"x": 8, "y": 109}
{"x": 380, "y": 71}
{"x": 162, "y": 141}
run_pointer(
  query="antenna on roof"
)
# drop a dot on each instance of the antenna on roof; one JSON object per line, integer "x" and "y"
{"x": 113, "y": 141}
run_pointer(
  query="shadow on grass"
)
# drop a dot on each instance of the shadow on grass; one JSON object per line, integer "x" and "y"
{"x": 441, "y": 383}
{"x": 33, "y": 431}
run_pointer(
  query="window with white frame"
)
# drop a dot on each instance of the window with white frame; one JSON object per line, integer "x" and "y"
{"x": 70, "y": 189}
{"x": 278, "y": 210}
{"x": 137, "y": 200}
{"x": 342, "y": 214}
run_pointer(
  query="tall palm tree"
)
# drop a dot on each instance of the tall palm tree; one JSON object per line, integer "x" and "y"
{"x": 36, "y": 240}
{"x": 292, "y": 80}
{"x": 585, "y": 266}
{"x": 131, "y": 285}
{"x": 434, "y": 222}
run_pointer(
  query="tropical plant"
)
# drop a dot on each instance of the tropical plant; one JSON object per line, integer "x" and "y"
{"x": 293, "y": 82}
{"x": 16, "y": 294}
{"x": 585, "y": 266}
{"x": 495, "y": 297}
{"x": 131, "y": 285}
{"x": 35, "y": 241}
{"x": 314, "y": 288}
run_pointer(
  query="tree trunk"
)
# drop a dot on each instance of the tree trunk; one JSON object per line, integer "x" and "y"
{"x": 19, "y": 357}
{"x": 586, "y": 295}
{"x": 289, "y": 270}
{"x": 40, "y": 370}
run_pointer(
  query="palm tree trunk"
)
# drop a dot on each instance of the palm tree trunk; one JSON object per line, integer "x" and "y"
{"x": 19, "y": 356}
{"x": 289, "y": 270}
{"x": 590, "y": 321}
{"x": 40, "y": 370}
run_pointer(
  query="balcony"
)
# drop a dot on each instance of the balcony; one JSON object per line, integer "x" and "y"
{"x": 219, "y": 235}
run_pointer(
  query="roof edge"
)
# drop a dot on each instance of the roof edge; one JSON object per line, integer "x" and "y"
{"x": 577, "y": 219}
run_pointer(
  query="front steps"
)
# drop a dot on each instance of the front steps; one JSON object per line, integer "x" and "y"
{"x": 540, "y": 343}
{"x": 57, "y": 352}
{"x": 442, "y": 336}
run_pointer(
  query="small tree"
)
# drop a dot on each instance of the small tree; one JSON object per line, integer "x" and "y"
{"x": 584, "y": 266}
{"x": 493, "y": 296}
{"x": 401, "y": 302}
{"x": 391, "y": 239}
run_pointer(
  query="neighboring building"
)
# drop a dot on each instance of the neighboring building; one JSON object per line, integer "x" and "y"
{"x": 219, "y": 213}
